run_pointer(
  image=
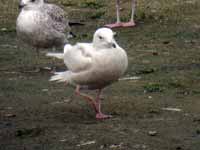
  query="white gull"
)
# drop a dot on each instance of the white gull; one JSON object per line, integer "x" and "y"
{"x": 93, "y": 66}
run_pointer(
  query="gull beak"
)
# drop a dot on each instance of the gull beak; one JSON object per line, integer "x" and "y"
{"x": 112, "y": 44}
{"x": 21, "y": 5}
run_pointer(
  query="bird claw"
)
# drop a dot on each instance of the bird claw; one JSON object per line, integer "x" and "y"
{"x": 114, "y": 25}
{"x": 66, "y": 83}
{"x": 121, "y": 24}
{"x": 101, "y": 116}
{"x": 128, "y": 24}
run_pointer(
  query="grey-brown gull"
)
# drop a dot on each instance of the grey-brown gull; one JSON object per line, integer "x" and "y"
{"x": 118, "y": 23}
{"x": 93, "y": 66}
{"x": 42, "y": 25}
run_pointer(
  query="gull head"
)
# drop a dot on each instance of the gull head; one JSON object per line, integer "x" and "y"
{"x": 29, "y": 3}
{"x": 104, "y": 38}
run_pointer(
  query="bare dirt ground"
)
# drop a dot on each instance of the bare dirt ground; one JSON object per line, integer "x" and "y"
{"x": 163, "y": 49}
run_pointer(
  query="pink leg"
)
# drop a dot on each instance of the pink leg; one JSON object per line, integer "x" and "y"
{"x": 95, "y": 104}
{"x": 114, "y": 25}
{"x": 128, "y": 24}
{"x": 131, "y": 23}
{"x": 88, "y": 98}
{"x": 99, "y": 114}
{"x": 118, "y": 23}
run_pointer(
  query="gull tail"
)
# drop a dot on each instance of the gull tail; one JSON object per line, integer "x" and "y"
{"x": 76, "y": 24}
{"x": 67, "y": 47}
{"x": 61, "y": 76}
{"x": 56, "y": 55}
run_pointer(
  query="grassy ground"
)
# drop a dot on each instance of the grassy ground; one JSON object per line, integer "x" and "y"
{"x": 163, "y": 49}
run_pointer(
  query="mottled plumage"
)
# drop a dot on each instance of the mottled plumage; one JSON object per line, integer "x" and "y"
{"x": 42, "y": 25}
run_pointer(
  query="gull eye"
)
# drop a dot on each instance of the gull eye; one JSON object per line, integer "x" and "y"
{"x": 100, "y": 37}
{"x": 32, "y": 0}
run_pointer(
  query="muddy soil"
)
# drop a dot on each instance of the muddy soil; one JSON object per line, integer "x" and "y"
{"x": 158, "y": 111}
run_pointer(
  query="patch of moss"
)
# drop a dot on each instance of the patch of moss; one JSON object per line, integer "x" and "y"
{"x": 175, "y": 84}
{"x": 92, "y": 4}
{"x": 146, "y": 71}
{"x": 69, "y": 3}
{"x": 6, "y": 30}
{"x": 153, "y": 87}
{"x": 97, "y": 15}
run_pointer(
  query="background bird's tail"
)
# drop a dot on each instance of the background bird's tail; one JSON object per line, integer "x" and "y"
{"x": 71, "y": 35}
{"x": 56, "y": 55}
{"x": 61, "y": 77}
{"x": 76, "y": 24}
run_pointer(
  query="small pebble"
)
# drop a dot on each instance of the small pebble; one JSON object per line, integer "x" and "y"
{"x": 9, "y": 108}
{"x": 102, "y": 146}
{"x": 196, "y": 119}
{"x": 155, "y": 53}
{"x": 166, "y": 42}
{"x": 10, "y": 115}
{"x": 178, "y": 148}
{"x": 63, "y": 140}
{"x": 67, "y": 100}
{"x": 116, "y": 145}
{"x": 198, "y": 131}
{"x": 152, "y": 133}
{"x": 86, "y": 143}
{"x": 3, "y": 29}
{"x": 45, "y": 90}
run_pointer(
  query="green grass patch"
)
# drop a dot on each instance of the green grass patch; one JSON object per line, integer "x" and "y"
{"x": 154, "y": 87}
{"x": 93, "y": 4}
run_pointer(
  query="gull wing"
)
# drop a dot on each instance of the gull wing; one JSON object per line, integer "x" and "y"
{"x": 58, "y": 16}
{"x": 79, "y": 57}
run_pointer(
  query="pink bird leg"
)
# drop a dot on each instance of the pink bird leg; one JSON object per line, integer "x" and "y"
{"x": 99, "y": 114}
{"x": 96, "y": 104}
{"x": 131, "y": 23}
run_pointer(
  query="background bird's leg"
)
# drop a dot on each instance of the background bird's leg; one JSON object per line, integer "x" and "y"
{"x": 21, "y": 61}
{"x": 87, "y": 97}
{"x": 99, "y": 114}
{"x": 131, "y": 23}
{"x": 132, "y": 10}
{"x": 53, "y": 68}
{"x": 98, "y": 101}
{"x": 118, "y": 11}
{"x": 118, "y": 23}
{"x": 35, "y": 68}
{"x": 37, "y": 58}
{"x": 37, "y": 53}
{"x": 36, "y": 64}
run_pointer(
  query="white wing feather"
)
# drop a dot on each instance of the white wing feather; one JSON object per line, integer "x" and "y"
{"x": 78, "y": 57}
{"x": 56, "y": 55}
{"x": 59, "y": 55}
{"x": 61, "y": 76}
